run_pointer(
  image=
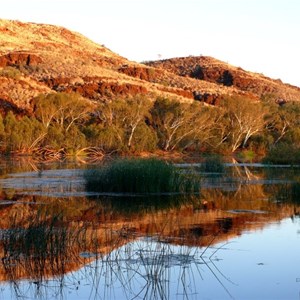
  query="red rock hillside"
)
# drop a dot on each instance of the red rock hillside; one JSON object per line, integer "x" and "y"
{"x": 37, "y": 58}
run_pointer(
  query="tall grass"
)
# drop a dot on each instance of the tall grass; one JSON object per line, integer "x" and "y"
{"x": 140, "y": 176}
{"x": 213, "y": 164}
{"x": 41, "y": 249}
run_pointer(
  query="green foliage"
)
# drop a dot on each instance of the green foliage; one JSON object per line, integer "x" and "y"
{"x": 242, "y": 118}
{"x": 282, "y": 122}
{"x": 283, "y": 154}
{"x": 145, "y": 139}
{"x": 259, "y": 144}
{"x": 167, "y": 118}
{"x": 55, "y": 137}
{"x": 107, "y": 138}
{"x": 226, "y": 78}
{"x": 140, "y": 176}
{"x": 213, "y": 164}
{"x": 124, "y": 119}
{"x": 71, "y": 140}
{"x": 22, "y": 135}
{"x": 292, "y": 137}
{"x": 246, "y": 155}
{"x": 62, "y": 109}
{"x": 180, "y": 125}
{"x": 136, "y": 124}
{"x": 111, "y": 138}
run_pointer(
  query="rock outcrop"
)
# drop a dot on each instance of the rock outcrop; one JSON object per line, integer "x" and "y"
{"x": 19, "y": 59}
{"x": 204, "y": 68}
{"x": 37, "y": 58}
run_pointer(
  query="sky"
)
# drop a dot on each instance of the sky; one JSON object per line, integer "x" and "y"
{"x": 257, "y": 35}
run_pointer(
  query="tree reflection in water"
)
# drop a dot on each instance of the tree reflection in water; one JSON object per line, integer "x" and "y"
{"x": 133, "y": 250}
{"x": 45, "y": 256}
{"x": 51, "y": 247}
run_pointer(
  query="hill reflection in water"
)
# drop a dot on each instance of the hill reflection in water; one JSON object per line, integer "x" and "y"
{"x": 54, "y": 246}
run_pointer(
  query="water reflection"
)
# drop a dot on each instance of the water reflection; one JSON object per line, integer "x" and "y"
{"x": 120, "y": 248}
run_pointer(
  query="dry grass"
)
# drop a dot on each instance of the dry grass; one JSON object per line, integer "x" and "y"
{"x": 258, "y": 84}
{"x": 85, "y": 58}
{"x": 21, "y": 91}
{"x": 67, "y": 54}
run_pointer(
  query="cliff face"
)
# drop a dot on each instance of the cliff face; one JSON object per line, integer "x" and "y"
{"x": 36, "y": 58}
{"x": 204, "y": 68}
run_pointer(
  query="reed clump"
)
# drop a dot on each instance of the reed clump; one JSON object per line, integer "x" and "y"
{"x": 141, "y": 176}
{"x": 213, "y": 164}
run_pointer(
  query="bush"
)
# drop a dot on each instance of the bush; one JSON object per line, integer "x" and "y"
{"x": 71, "y": 141}
{"x": 246, "y": 156}
{"x": 21, "y": 134}
{"x": 213, "y": 164}
{"x": 109, "y": 138}
{"x": 140, "y": 176}
{"x": 145, "y": 139}
{"x": 283, "y": 154}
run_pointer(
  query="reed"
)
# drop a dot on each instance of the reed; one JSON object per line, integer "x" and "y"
{"x": 141, "y": 176}
{"x": 42, "y": 248}
{"x": 213, "y": 164}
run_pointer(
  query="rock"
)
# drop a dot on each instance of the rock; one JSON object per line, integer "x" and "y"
{"x": 143, "y": 73}
{"x": 19, "y": 58}
{"x": 7, "y": 106}
{"x": 212, "y": 99}
{"x": 96, "y": 89}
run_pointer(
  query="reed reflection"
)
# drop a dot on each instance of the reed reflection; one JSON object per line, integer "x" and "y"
{"x": 141, "y": 243}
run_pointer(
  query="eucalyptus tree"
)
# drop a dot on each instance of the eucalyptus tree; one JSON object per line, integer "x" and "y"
{"x": 180, "y": 125}
{"x": 124, "y": 118}
{"x": 22, "y": 134}
{"x": 242, "y": 118}
{"x": 283, "y": 123}
{"x": 62, "y": 109}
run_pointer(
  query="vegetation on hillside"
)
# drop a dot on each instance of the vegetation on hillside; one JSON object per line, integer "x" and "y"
{"x": 61, "y": 94}
{"x": 70, "y": 124}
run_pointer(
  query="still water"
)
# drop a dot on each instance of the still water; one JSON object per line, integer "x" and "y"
{"x": 239, "y": 240}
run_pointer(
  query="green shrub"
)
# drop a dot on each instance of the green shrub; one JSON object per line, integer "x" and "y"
{"x": 140, "y": 176}
{"x": 21, "y": 134}
{"x": 293, "y": 137}
{"x": 283, "y": 154}
{"x": 145, "y": 139}
{"x": 213, "y": 164}
{"x": 246, "y": 155}
{"x": 71, "y": 140}
{"x": 109, "y": 138}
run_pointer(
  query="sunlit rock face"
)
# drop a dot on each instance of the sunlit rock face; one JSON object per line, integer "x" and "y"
{"x": 39, "y": 58}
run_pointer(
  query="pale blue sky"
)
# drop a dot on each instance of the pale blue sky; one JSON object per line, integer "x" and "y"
{"x": 257, "y": 35}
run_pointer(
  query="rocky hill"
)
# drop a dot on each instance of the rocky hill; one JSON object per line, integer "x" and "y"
{"x": 37, "y": 58}
{"x": 209, "y": 69}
